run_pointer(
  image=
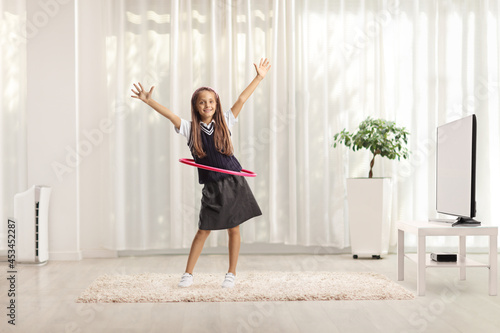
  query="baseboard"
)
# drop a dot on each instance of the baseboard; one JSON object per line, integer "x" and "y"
{"x": 259, "y": 248}
{"x": 99, "y": 253}
{"x": 65, "y": 256}
{"x": 75, "y": 256}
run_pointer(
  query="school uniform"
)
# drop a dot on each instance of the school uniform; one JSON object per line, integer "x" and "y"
{"x": 227, "y": 200}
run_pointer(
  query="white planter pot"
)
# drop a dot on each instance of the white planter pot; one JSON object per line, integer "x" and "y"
{"x": 369, "y": 201}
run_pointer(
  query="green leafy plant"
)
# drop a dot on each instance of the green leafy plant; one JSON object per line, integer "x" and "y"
{"x": 380, "y": 137}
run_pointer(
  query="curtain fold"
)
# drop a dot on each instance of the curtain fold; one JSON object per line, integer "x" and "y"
{"x": 334, "y": 63}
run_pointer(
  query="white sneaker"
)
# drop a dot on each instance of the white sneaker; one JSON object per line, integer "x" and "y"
{"x": 186, "y": 280}
{"x": 228, "y": 281}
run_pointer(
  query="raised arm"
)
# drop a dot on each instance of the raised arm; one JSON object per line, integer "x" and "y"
{"x": 144, "y": 96}
{"x": 261, "y": 70}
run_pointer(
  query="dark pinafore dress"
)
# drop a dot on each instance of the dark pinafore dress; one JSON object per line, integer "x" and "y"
{"x": 227, "y": 200}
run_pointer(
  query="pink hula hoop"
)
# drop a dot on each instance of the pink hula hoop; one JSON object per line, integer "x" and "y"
{"x": 244, "y": 173}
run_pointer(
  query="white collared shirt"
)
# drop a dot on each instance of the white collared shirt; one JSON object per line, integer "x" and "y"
{"x": 185, "y": 129}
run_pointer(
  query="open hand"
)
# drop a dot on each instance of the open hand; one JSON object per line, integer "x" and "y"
{"x": 141, "y": 94}
{"x": 264, "y": 66}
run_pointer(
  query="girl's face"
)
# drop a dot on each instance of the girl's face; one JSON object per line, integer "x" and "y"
{"x": 206, "y": 105}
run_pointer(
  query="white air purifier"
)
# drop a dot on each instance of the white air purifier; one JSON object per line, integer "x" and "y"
{"x": 31, "y": 212}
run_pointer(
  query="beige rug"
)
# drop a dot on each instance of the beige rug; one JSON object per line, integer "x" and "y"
{"x": 250, "y": 287}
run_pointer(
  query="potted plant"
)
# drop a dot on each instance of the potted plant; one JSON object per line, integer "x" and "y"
{"x": 369, "y": 199}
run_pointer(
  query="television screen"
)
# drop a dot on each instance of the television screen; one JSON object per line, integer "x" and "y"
{"x": 456, "y": 169}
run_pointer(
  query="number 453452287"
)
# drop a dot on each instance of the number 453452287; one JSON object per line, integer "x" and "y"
{"x": 11, "y": 243}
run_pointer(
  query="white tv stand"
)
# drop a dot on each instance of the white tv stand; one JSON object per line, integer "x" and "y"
{"x": 424, "y": 228}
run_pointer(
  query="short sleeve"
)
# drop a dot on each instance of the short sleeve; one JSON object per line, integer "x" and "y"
{"x": 185, "y": 129}
{"x": 230, "y": 119}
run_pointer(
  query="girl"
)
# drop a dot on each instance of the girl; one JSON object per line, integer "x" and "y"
{"x": 227, "y": 200}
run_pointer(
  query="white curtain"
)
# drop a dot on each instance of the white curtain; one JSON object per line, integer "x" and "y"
{"x": 12, "y": 104}
{"x": 419, "y": 63}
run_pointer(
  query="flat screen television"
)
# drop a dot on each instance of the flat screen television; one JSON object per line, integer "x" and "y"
{"x": 456, "y": 170}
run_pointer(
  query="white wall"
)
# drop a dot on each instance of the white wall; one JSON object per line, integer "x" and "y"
{"x": 51, "y": 117}
{"x": 68, "y": 126}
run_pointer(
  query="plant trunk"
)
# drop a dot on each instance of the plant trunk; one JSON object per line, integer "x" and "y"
{"x": 370, "y": 175}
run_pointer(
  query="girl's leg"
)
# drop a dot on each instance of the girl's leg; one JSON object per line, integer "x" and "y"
{"x": 196, "y": 248}
{"x": 234, "y": 248}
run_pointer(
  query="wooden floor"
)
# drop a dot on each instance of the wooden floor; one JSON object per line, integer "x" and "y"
{"x": 46, "y": 300}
